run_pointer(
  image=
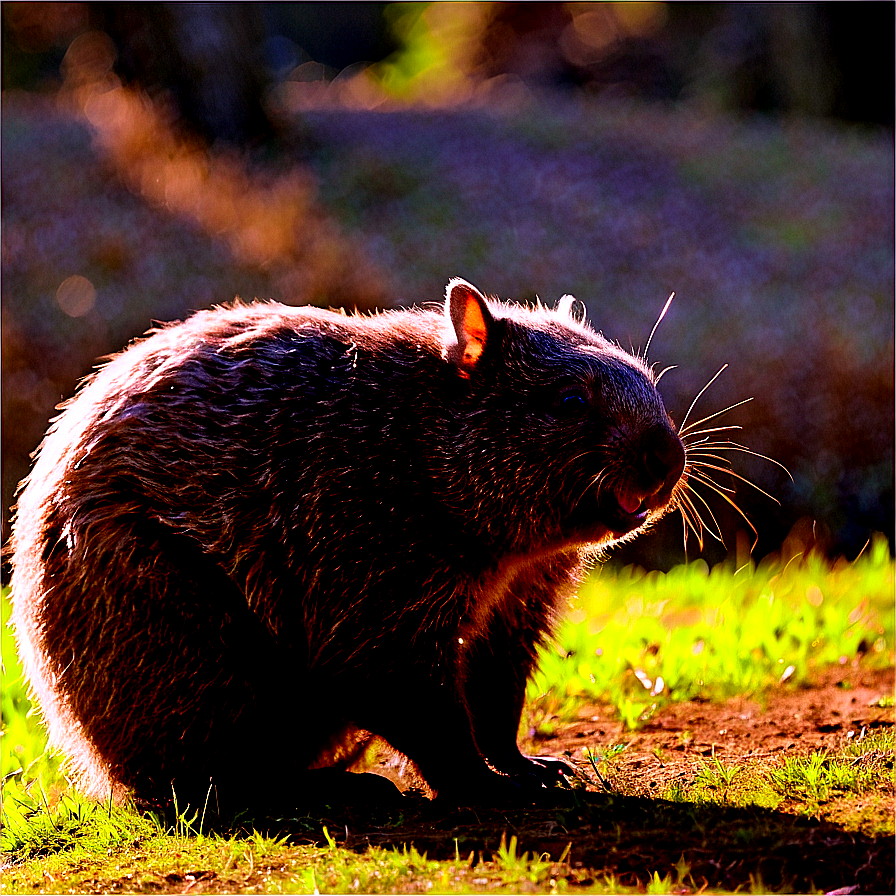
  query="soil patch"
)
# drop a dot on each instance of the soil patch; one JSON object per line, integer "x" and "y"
{"x": 844, "y": 703}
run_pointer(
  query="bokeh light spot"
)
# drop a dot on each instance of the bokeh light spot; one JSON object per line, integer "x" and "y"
{"x": 76, "y": 295}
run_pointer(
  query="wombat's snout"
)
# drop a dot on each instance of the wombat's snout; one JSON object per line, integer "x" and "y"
{"x": 664, "y": 459}
{"x": 656, "y": 466}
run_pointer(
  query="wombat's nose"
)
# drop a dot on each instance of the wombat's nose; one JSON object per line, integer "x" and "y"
{"x": 663, "y": 457}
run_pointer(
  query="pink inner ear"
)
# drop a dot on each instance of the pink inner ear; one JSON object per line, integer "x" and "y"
{"x": 471, "y": 319}
{"x": 474, "y": 325}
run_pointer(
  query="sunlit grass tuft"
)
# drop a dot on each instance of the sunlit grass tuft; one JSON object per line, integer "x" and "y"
{"x": 32, "y": 828}
{"x": 822, "y": 776}
{"x": 23, "y": 753}
{"x": 819, "y": 784}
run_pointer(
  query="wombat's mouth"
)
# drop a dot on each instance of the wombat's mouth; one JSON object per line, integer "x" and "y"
{"x": 626, "y": 509}
{"x": 658, "y": 465}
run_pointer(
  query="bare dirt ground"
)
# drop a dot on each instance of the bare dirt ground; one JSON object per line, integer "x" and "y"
{"x": 684, "y": 735}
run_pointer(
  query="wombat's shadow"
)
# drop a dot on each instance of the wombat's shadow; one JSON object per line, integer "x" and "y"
{"x": 628, "y": 837}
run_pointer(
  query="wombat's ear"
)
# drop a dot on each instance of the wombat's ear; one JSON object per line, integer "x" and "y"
{"x": 471, "y": 321}
{"x": 571, "y": 307}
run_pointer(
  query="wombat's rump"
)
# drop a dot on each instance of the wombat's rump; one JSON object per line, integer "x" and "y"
{"x": 255, "y": 533}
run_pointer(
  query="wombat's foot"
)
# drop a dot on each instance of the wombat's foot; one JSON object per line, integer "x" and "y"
{"x": 533, "y": 771}
{"x": 531, "y": 779}
{"x": 547, "y": 771}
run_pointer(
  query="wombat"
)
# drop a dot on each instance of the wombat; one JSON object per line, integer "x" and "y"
{"x": 258, "y": 534}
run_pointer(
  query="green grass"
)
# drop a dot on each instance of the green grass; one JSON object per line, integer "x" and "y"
{"x": 822, "y": 777}
{"x": 638, "y": 639}
{"x": 642, "y": 640}
{"x": 820, "y": 785}
{"x": 23, "y": 751}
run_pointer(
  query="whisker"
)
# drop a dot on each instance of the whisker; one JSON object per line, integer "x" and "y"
{"x": 664, "y": 371}
{"x": 708, "y": 449}
{"x": 707, "y": 441}
{"x": 567, "y": 464}
{"x": 697, "y": 398}
{"x": 704, "y": 447}
{"x": 717, "y": 534}
{"x": 704, "y": 477}
{"x": 699, "y": 458}
{"x": 682, "y": 430}
{"x": 662, "y": 315}
{"x": 701, "y": 432}
{"x": 691, "y": 519}
{"x": 703, "y": 525}
{"x": 728, "y": 471}
{"x": 745, "y": 518}
{"x": 596, "y": 483}
{"x": 680, "y": 495}
{"x": 728, "y": 445}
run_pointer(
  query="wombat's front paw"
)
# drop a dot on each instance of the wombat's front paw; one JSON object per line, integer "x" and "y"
{"x": 544, "y": 770}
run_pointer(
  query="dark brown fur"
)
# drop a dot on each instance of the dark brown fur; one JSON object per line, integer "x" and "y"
{"x": 271, "y": 528}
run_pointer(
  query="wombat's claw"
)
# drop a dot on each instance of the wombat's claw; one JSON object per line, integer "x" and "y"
{"x": 549, "y": 771}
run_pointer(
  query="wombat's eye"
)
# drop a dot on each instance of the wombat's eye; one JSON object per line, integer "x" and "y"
{"x": 573, "y": 401}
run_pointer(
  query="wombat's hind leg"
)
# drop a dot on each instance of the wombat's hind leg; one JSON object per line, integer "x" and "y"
{"x": 177, "y": 684}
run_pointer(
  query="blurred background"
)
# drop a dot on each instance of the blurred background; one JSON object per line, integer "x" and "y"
{"x": 158, "y": 158}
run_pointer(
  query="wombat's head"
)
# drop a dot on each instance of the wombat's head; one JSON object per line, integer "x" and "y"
{"x": 562, "y": 438}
